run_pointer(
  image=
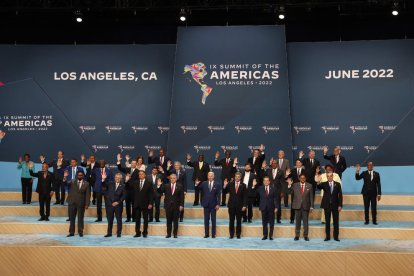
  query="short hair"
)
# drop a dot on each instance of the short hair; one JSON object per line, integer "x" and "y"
{"x": 80, "y": 171}
{"x": 61, "y": 151}
{"x": 238, "y": 173}
{"x": 248, "y": 163}
{"x": 74, "y": 159}
{"x": 302, "y": 174}
{"x": 298, "y": 160}
{"x": 154, "y": 168}
{"x": 328, "y": 166}
{"x": 266, "y": 177}
{"x": 210, "y": 173}
{"x": 120, "y": 174}
{"x": 26, "y": 154}
{"x": 177, "y": 163}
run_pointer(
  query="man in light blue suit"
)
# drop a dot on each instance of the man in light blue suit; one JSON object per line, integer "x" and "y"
{"x": 211, "y": 192}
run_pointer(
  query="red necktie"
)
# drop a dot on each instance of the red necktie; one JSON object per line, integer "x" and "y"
{"x": 227, "y": 162}
{"x": 303, "y": 189}
{"x": 267, "y": 191}
{"x": 237, "y": 187}
{"x": 172, "y": 188}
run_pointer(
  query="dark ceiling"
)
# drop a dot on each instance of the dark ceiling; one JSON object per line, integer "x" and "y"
{"x": 128, "y": 21}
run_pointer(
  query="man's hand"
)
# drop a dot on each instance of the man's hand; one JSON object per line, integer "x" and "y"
{"x": 188, "y": 156}
{"x": 262, "y": 147}
{"x": 159, "y": 182}
{"x": 275, "y": 210}
{"x": 358, "y": 168}
{"x": 243, "y": 209}
{"x": 20, "y": 159}
{"x": 301, "y": 154}
{"x": 379, "y": 197}
{"x": 127, "y": 177}
{"x": 217, "y": 207}
{"x": 311, "y": 210}
{"x": 169, "y": 164}
{"x": 115, "y": 203}
{"x": 271, "y": 160}
{"x": 339, "y": 208}
{"x": 127, "y": 157}
{"x": 217, "y": 155}
{"x": 318, "y": 170}
{"x": 160, "y": 169}
{"x": 51, "y": 194}
{"x": 181, "y": 208}
{"x": 287, "y": 172}
{"x": 254, "y": 182}
{"x": 118, "y": 157}
{"x": 42, "y": 158}
{"x": 325, "y": 149}
{"x": 151, "y": 153}
{"x": 226, "y": 182}
{"x": 290, "y": 182}
{"x": 65, "y": 173}
{"x": 197, "y": 182}
{"x": 236, "y": 161}
{"x": 264, "y": 164}
{"x": 149, "y": 207}
{"x": 88, "y": 162}
{"x": 31, "y": 165}
{"x": 83, "y": 158}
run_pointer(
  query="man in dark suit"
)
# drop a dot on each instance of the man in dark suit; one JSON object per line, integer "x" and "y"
{"x": 331, "y": 204}
{"x": 228, "y": 169}
{"x": 371, "y": 190}
{"x": 268, "y": 207}
{"x": 78, "y": 199}
{"x": 90, "y": 164}
{"x": 102, "y": 174}
{"x": 58, "y": 166}
{"x": 156, "y": 179}
{"x": 336, "y": 159}
{"x": 143, "y": 197}
{"x": 302, "y": 204}
{"x": 210, "y": 190}
{"x": 44, "y": 189}
{"x": 277, "y": 179}
{"x": 173, "y": 204}
{"x": 294, "y": 175}
{"x": 181, "y": 179}
{"x": 237, "y": 203}
{"x": 257, "y": 159}
{"x": 160, "y": 160}
{"x": 133, "y": 173}
{"x": 248, "y": 177}
{"x": 200, "y": 172}
{"x": 114, "y": 194}
{"x": 310, "y": 164}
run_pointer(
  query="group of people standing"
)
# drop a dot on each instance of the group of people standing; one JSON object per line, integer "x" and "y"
{"x": 266, "y": 186}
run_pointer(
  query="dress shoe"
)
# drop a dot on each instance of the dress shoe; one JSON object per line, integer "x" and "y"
{"x": 107, "y": 236}
{"x": 206, "y": 236}
{"x": 323, "y": 222}
{"x": 23, "y": 202}
{"x": 70, "y": 235}
{"x": 118, "y": 235}
{"x": 181, "y": 220}
{"x": 168, "y": 236}
{"x": 128, "y": 220}
{"x": 195, "y": 204}
{"x": 292, "y": 221}
{"x": 250, "y": 221}
{"x": 306, "y": 239}
{"x": 93, "y": 202}
{"x": 98, "y": 220}
{"x": 56, "y": 203}
{"x": 144, "y": 235}
{"x": 160, "y": 221}
{"x": 46, "y": 219}
{"x": 231, "y": 237}
{"x": 62, "y": 203}
{"x": 41, "y": 219}
{"x": 337, "y": 239}
{"x": 223, "y": 205}
{"x": 264, "y": 238}
{"x": 296, "y": 238}
{"x": 238, "y": 237}
{"x": 279, "y": 221}
{"x": 28, "y": 202}
{"x": 327, "y": 239}
{"x": 271, "y": 238}
{"x": 244, "y": 220}
{"x": 367, "y": 222}
{"x": 137, "y": 235}
{"x": 151, "y": 220}
{"x": 213, "y": 237}
{"x": 375, "y": 223}
{"x": 175, "y": 236}
{"x": 81, "y": 235}
{"x": 68, "y": 219}
{"x": 133, "y": 220}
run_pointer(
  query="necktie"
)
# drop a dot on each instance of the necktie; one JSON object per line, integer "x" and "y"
{"x": 178, "y": 174}
{"x": 371, "y": 174}
{"x": 210, "y": 186}
{"x": 132, "y": 171}
{"x": 312, "y": 162}
{"x": 274, "y": 173}
{"x": 302, "y": 188}
{"x": 140, "y": 185}
{"x": 298, "y": 173}
{"x": 200, "y": 165}
{"x": 73, "y": 173}
{"x": 254, "y": 160}
{"x": 227, "y": 162}
{"x": 237, "y": 186}
{"x": 116, "y": 186}
{"x": 172, "y": 188}
{"x": 337, "y": 158}
{"x": 161, "y": 161}
{"x": 331, "y": 186}
{"x": 267, "y": 190}
{"x": 80, "y": 184}
{"x": 280, "y": 163}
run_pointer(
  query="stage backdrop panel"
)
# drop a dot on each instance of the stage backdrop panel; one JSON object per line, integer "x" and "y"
{"x": 230, "y": 92}
{"x": 356, "y": 95}
{"x": 84, "y": 99}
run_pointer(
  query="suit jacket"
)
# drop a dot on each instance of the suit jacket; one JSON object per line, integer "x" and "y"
{"x": 310, "y": 169}
{"x": 58, "y": 172}
{"x": 370, "y": 187}
{"x": 175, "y": 200}
{"x": 133, "y": 176}
{"x": 114, "y": 195}
{"x": 157, "y": 192}
{"x": 143, "y": 197}
{"x": 251, "y": 192}
{"x": 69, "y": 169}
{"x": 181, "y": 179}
{"x": 210, "y": 199}
{"x": 90, "y": 177}
{"x": 44, "y": 185}
{"x": 97, "y": 187}
{"x": 304, "y": 202}
{"x": 236, "y": 200}
{"x": 285, "y": 165}
{"x": 200, "y": 174}
{"x": 339, "y": 167}
{"x": 278, "y": 181}
{"x": 331, "y": 200}
{"x": 294, "y": 174}
{"x": 257, "y": 165}
{"x": 79, "y": 196}
{"x": 227, "y": 170}
{"x": 157, "y": 161}
{"x": 268, "y": 202}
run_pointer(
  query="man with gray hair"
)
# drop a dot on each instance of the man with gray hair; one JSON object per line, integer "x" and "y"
{"x": 114, "y": 194}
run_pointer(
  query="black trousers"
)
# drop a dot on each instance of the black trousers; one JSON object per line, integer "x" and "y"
{"x": 112, "y": 212}
{"x": 182, "y": 212}
{"x": 99, "y": 205}
{"x": 370, "y": 200}
{"x": 172, "y": 215}
{"x": 80, "y": 212}
{"x": 138, "y": 212}
{"x": 268, "y": 222}
{"x": 279, "y": 210}
{"x": 235, "y": 214}
{"x": 129, "y": 205}
{"x": 335, "y": 215}
{"x": 27, "y": 186}
{"x": 248, "y": 214}
{"x": 156, "y": 209}
{"x": 60, "y": 191}
{"x": 93, "y": 192}
{"x": 197, "y": 195}
{"x": 223, "y": 194}
{"x": 44, "y": 201}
